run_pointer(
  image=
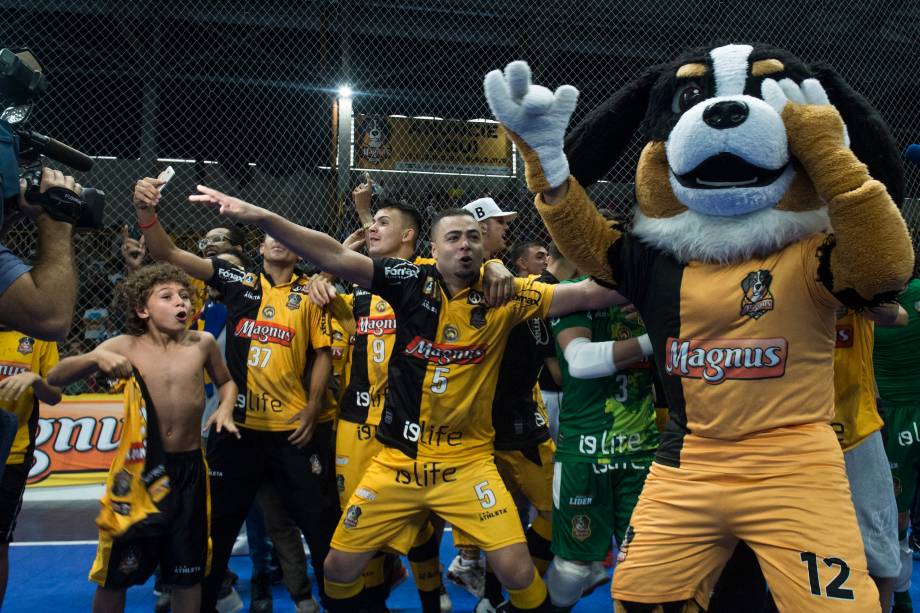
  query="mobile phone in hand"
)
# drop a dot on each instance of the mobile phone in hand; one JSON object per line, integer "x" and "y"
{"x": 165, "y": 176}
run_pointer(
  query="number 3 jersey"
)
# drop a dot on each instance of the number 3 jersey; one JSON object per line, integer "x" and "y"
{"x": 445, "y": 359}
{"x": 270, "y": 329}
{"x": 608, "y": 417}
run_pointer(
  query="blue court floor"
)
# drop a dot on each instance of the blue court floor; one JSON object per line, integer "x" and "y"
{"x": 54, "y": 549}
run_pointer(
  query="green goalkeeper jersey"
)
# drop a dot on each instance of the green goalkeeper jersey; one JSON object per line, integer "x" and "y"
{"x": 607, "y": 418}
{"x": 896, "y": 372}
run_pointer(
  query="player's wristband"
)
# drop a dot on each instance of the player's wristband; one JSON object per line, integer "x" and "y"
{"x": 646, "y": 345}
{"x": 150, "y": 224}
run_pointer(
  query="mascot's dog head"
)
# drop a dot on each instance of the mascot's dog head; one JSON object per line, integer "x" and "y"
{"x": 715, "y": 180}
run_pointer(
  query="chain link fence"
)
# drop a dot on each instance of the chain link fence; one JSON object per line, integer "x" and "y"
{"x": 244, "y": 96}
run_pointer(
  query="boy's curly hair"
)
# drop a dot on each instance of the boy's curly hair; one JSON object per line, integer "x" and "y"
{"x": 135, "y": 290}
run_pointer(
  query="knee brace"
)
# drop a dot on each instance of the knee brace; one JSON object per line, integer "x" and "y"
{"x": 566, "y": 581}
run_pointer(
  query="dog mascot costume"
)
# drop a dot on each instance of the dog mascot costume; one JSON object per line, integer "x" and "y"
{"x": 766, "y": 195}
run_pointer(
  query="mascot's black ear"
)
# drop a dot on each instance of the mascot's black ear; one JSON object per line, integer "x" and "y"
{"x": 870, "y": 138}
{"x": 595, "y": 144}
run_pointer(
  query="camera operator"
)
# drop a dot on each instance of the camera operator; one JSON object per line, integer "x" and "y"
{"x": 38, "y": 300}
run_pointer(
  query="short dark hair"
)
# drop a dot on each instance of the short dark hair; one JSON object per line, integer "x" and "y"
{"x": 235, "y": 233}
{"x": 553, "y": 251}
{"x": 520, "y": 249}
{"x": 449, "y": 213}
{"x": 415, "y": 218}
{"x": 132, "y": 294}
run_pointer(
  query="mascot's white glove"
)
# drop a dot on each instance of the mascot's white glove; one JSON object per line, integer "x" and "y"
{"x": 536, "y": 120}
{"x": 817, "y": 136}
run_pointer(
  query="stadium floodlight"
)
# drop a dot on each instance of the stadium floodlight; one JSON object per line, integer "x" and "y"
{"x": 345, "y": 91}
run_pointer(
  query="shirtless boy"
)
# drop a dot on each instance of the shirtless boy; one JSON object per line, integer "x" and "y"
{"x": 167, "y": 361}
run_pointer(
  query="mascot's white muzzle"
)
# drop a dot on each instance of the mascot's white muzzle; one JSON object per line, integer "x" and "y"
{"x": 729, "y": 156}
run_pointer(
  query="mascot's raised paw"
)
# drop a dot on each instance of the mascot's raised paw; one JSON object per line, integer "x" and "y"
{"x": 536, "y": 120}
{"x": 779, "y": 94}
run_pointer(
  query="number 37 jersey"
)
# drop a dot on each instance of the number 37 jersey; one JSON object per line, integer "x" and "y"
{"x": 270, "y": 329}
{"x": 444, "y": 365}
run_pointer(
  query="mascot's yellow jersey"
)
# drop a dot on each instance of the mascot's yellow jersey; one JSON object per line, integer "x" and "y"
{"x": 270, "y": 330}
{"x": 444, "y": 364}
{"x": 855, "y": 413}
{"x": 20, "y": 353}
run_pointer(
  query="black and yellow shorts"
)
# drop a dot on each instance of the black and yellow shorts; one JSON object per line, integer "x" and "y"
{"x": 394, "y": 498}
{"x": 180, "y": 546}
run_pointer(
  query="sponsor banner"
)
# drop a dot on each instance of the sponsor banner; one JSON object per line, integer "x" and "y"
{"x": 431, "y": 145}
{"x": 76, "y": 440}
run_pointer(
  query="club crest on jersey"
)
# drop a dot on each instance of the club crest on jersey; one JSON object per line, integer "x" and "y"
{"x": 340, "y": 482}
{"x": 451, "y": 333}
{"x": 129, "y": 561}
{"x": 268, "y": 312}
{"x": 757, "y": 298}
{"x": 337, "y": 336}
{"x": 249, "y": 280}
{"x": 293, "y": 301}
{"x": 581, "y": 527}
{"x": 475, "y": 297}
{"x": 381, "y": 306}
{"x": 351, "y": 516}
{"x": 121, "y": 484}
{"x": 26, "y": 345}
{"x": 478, "y": 317}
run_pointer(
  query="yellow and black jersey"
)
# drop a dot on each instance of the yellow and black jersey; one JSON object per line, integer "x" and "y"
{"x": 21, "y": 353}
{"x": 341, "y": 343}
{"x": 741, "y": 348}
{"x": 270, "y": 329}
{"x": 519, "y": 421}
{"x": 444, "y": 364}
{"x": 375, "y": 333}
{"x": 855, "y": 410}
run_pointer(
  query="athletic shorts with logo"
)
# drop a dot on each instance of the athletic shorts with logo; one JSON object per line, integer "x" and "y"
{"x": 12, "y": 487}
{"x": 355, "y": 447}
{"x": 783, "y": 491}
{"x": 525, "y": 472}
{"x": 179, "y": 544}
{"x": 902, "y": 446}
{"x": 394, "y": 498}
{"x": 594, "y": 502}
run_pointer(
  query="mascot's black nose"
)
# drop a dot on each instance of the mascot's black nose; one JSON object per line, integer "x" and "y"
{"x": 728, "y": 114}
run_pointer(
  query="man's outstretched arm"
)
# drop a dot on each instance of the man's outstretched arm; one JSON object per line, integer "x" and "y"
{"x": 321, "y": 249}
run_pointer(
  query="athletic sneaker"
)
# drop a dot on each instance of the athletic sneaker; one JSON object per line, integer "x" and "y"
{"x": 470, "y": 575}
{"x": 484, "y": 606}
{"x": 446, "y": 605}
{"x": 914, "y": 543}
{"x": 228, "y": 600}
{"x": 306, "y": 606}
{"x": 164, "y": 597}
{"x": 261, "y": 599}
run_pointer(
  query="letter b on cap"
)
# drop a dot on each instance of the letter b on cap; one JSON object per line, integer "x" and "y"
{"x": 480, "y": 212}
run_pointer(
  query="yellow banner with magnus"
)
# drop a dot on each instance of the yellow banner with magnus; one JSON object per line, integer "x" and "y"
{"x": 431, "y": 145}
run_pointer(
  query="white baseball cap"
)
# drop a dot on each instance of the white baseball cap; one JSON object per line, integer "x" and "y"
{"x": 484, "y": 208}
